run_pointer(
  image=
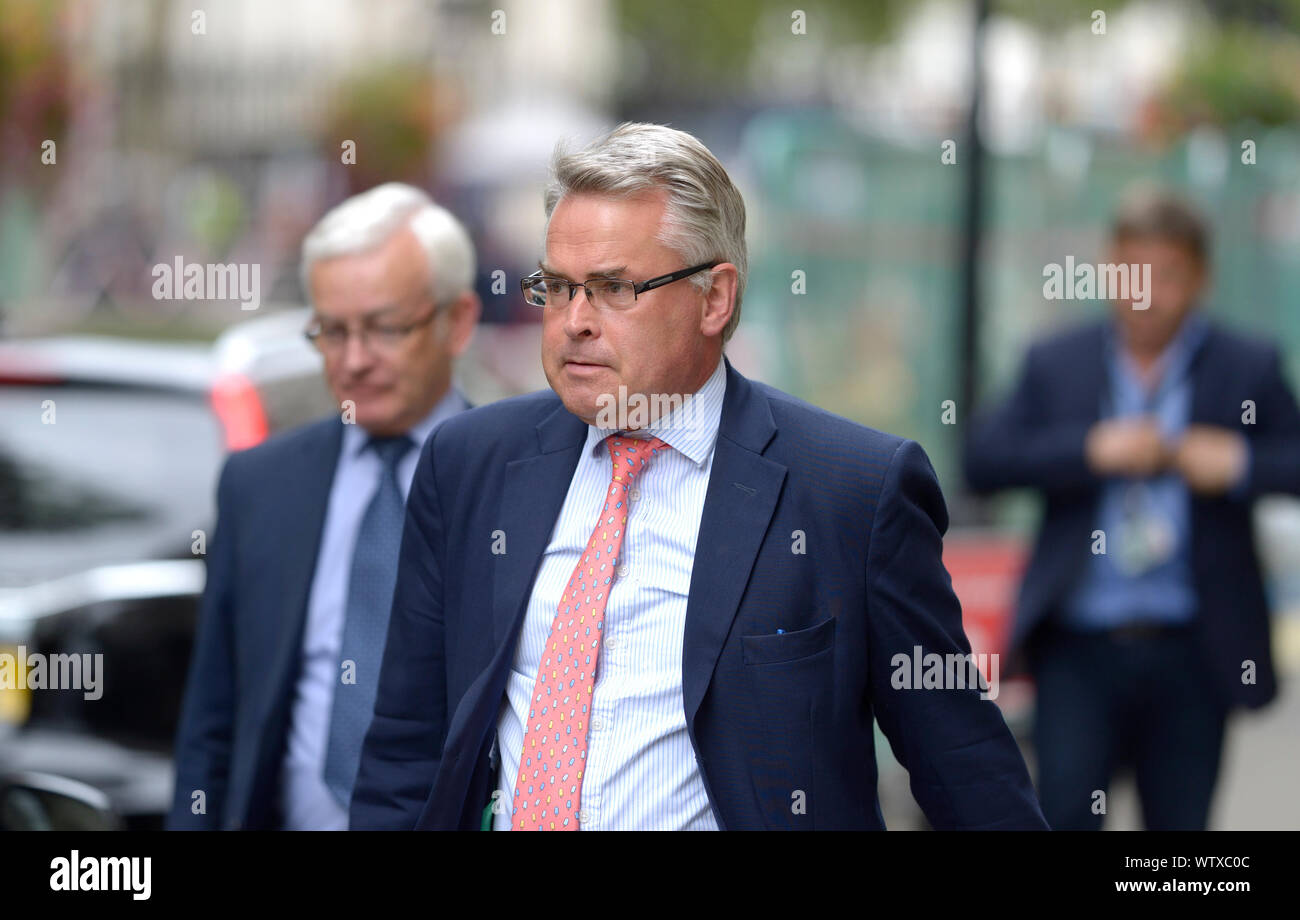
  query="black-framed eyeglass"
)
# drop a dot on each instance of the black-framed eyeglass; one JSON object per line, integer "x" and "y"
{"x": 542, "y": 290}
{"x": 332, "y": 336}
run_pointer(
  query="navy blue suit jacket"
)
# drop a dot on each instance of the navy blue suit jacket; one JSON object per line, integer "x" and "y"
{"x": 1035, "y": 439}
{"x": 768, "y": 713}
{"x": 271, "y": 504}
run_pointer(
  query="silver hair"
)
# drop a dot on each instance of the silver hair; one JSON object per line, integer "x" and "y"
{"x": 367, "y": 220}
{"x": 704, "y": 218}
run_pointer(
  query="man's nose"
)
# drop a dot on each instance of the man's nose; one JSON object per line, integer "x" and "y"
{"x": 356, "y": 355}
{"x": 580, "y": 315}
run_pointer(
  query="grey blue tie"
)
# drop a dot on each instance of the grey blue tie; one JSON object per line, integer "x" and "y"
{"x": 370, "y": 595}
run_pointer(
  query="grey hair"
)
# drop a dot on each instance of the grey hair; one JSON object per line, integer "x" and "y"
{"x": 704, "y": 218}
{"x": 365, "y": 221}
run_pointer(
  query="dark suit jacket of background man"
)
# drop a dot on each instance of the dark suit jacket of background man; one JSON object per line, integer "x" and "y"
{"x": 271, "y": 505}
{"x": 769, "y": 714}
{"x": 1035, "y": 438}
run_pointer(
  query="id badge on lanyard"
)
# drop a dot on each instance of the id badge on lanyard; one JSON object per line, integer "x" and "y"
{"x": 1146, "y": 538}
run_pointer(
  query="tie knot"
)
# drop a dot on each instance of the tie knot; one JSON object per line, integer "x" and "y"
{"x": 391, "y": 450}
{"x": 630, "y": 455}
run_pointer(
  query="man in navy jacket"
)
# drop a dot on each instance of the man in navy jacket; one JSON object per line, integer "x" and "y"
{"x": 293, "y": 619}
{"x": 780, "y": 571}
{"x": 1142, "y": 614}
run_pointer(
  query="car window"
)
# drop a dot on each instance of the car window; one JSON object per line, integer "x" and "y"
{"x": 115, "y": 475}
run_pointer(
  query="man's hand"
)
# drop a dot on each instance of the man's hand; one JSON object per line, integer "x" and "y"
{"x": 1211, "y": 459}
{"x": 1126, "y": 447}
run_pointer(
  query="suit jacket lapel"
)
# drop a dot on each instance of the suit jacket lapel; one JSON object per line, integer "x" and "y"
{"x": 305, "y": 499}
{"x": 1095, "y": 375}
{"x": 531, "y": 498}
{"x": 742, "y": 495}
{"x": 534, "y": 492}
{"x": 1202, "y": 381}
{"x": 743, "y": 490}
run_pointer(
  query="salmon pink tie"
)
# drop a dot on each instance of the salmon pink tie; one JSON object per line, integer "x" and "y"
{"x": 548, "y": 786}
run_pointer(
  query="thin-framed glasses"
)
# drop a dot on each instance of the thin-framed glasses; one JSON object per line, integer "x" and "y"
{"x": 331, "y": 336}
{"x": 541, "y": 290}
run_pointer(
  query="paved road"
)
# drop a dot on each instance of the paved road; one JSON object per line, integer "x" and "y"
{"x": 1259, "y": 787}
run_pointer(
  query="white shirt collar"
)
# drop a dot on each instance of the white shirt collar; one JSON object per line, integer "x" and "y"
{"x": 355, "y": 438}
{"x": 691, "y": 428}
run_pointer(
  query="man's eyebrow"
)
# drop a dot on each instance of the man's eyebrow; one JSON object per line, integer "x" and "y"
{"x": 603, "y": 273}
{"x": 369, "y": 314}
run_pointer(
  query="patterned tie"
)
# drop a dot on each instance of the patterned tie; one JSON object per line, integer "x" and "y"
{"x": 548, "y": 786}
{"x": 370, "y": 595}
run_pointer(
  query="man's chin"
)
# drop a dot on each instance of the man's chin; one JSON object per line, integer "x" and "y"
{"x": 583, "y": 398}
{"x": 371, "y": 416}
{"x": 583, "y": 408}
{"x": 1148, "y": 332}
{"x": 1152, "y": 339}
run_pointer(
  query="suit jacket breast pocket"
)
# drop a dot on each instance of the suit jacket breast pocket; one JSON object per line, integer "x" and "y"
{"x": 788, "y": 646}
{"x": 790, "y": 682}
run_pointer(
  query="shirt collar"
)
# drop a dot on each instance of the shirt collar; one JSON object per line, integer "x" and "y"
{"x": 1177, "y": 354}
{"x": 690, "y": 429}
{"x": 1187, "y": 340}
{"x": 355, "y": 438}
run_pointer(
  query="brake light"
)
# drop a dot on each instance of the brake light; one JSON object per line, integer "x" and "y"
{"x": 238, "y": 407}
{"x": 17, "y": 377}
{"x": 19, "y": 370}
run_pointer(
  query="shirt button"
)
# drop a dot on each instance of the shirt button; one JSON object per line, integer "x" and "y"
{"x": 636, "y": 495}
{"x": 597, "y": 723}
{"x": 584, "y": 817}
{"x": 622, "y": 570}
{"x": 611, "y": 643}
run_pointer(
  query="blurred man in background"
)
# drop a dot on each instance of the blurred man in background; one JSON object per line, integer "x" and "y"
{"x": 1142, "y": 616}
{"x": 681, "y": 664}
{"x": 302, "y": 565}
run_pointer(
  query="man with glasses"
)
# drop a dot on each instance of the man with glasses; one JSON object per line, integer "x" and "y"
{"x": 302, "y": 565}
{"x": 683, "y": 624}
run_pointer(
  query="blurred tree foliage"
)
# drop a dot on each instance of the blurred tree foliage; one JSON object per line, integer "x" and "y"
{"x": 713, "y": 42}
{"x": 392, "y": 115}
{"x": 35, "y": 85}
{"x": 1243, "y": 63}
{"x": 1239, "y": 73}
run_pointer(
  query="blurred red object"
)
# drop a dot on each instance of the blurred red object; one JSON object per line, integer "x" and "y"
{"x": 986, "y": 567}
{"x": 238, "y": 406}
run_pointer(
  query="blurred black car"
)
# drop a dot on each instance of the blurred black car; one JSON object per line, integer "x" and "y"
{"x": 109, "y": 452}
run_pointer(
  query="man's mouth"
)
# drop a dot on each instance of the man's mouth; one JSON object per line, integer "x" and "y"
{"x": 581, "y": 364}
{"x": 365, "y": 391}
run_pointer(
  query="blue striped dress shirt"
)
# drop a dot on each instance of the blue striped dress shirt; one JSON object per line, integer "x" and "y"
{"x": 305, "y": 801}
{"x": 1107, "y": 597}
{"x": 641, "y": 771}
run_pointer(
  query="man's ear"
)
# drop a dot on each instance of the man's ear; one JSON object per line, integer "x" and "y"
{"x": 719, "y": 300}
{"x": 462, "y": 316}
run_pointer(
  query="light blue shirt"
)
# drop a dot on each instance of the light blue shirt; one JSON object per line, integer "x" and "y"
{"x": 305, "y": 801}
{"x": 1107, "y": 596}
{"x": 641, "y": 771}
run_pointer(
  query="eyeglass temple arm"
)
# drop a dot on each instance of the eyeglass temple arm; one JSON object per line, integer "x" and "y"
{"x": 673, "y": 276}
